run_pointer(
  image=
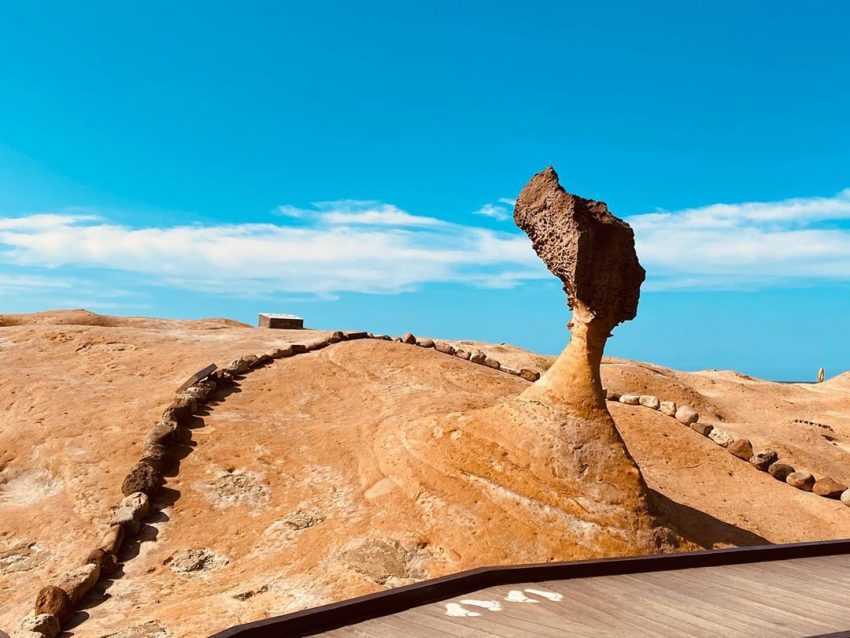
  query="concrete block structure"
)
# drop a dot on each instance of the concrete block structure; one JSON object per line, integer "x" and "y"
{"x": 290, "y": 322}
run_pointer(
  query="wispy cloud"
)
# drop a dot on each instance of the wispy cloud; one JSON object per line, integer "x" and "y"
{"x": 361, "y": 247}
{"x": 357, "y": 212}
{"x": 496, "y": 211}
{"x": 746, "y": 244}
{"x": 374, "y": 247}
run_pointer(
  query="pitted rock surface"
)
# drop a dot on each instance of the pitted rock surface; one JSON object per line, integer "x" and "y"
{"x": 590, "y": 250}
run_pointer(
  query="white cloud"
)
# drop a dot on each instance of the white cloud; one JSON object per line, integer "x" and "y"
{"x": 746, "y": 244}
{"x": 377, "y": 248}
{"x": 367, "y": 246}
{"x": 357, "y": 212}
{"x": 495, "y": 212}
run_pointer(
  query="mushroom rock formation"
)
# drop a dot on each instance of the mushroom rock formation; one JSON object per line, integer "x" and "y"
{"x": 593, "y": 253}
{"x": 543, "y": 475}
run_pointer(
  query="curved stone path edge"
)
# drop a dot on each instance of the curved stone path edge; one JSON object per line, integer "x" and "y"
{"x": 55, "y": 604}
{"x": 765, "y": 460}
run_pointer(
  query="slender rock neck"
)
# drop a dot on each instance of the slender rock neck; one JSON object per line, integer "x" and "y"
{"x": 574, "y": 380}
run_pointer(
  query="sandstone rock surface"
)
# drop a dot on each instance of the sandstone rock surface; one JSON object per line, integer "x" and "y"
{"x": 289, "y": 411}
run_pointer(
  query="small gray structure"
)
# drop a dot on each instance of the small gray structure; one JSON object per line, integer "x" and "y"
{"x": 267, "y": 320}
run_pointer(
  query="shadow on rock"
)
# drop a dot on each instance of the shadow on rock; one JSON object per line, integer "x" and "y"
{"x": 699, "y": 527}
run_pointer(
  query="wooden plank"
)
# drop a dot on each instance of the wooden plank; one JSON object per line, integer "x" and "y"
{"x": 203, "y": 373}
{"x": 745, "y": 597}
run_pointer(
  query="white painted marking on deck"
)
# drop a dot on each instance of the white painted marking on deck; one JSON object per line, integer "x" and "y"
{"x": 516, "y": 596}
{"x": 453, "y": 609}
{"x": 492, "y": 605}
{"x": 548, "y": 595}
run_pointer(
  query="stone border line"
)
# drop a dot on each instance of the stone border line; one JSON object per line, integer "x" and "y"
{"x": 55, "y": 604}
{"x": 765, "y": 460}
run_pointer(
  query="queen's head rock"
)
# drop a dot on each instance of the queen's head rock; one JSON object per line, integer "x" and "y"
{"x": 590, "y": 250}
{"x": 593, "y": 253}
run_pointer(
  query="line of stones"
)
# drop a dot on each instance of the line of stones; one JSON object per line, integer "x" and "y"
{"x": 55, "y": 604}
{"x": 765, "y": 460}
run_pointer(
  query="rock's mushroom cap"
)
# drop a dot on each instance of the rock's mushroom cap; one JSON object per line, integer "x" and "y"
{"x": 590, "y": 250}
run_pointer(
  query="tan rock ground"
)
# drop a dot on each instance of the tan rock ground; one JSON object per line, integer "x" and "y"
{"x": 303, "y": 487}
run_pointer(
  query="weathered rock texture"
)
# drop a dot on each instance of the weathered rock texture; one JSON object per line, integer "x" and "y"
{"x": 592, "y": 252}
{"x": 563, "y": 415}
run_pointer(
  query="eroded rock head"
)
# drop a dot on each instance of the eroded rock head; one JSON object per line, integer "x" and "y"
{"x": 590, "y": 250}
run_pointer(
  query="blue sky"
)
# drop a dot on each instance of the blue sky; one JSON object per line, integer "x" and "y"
{"x": 355, "y": 164}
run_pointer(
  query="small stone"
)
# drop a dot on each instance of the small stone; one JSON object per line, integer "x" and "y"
{"x": 491, "y": 363}
{"x": 764, "y": 459}
{"x": 336, "y": 336}
{"x": 222, "y": 377}
{"x": 610, "y": 395}
{"x": 107, "y": 561}
{"x": 79, "y": 582}
{"x": 845, "y": 497}
{"x": 200, "y": 391}
{"x": 242, "y": 364}
{"x": 462, "y": 354}
{"x": 298, "y": 348}
{"x": 350, "y": 336}
{"x": 408, "y": 337}
{"x": 702, "y": 428}
{"x": 721, "y": 437}
{"x": 828, "y": 487}
{"x": 529, "y": 375}
{"x": 687, "y": 415}
{"x": 668, "y": 408}
{"x": 445, "y": 348}
{"x": 137, "y": 503}
{"x": 801, "y": 480}
{"x": 630, "y": 399}
{"x": 112, "y": 539}
{"x": 142, "y": 478}
{"x": 180, "y": 410}
{"x": 161, "y": 432}
{"x": 741, "y": 448}
{"x": 46, "y": 625}
{"x": 155, "y": 455}
{"x": 509, "y": 370}
{"x": 261, "y": 360}
{"x": 478, "y": 357}
{"x": 53, "y": 601}
{"x": 425, "y": 343}
{"x": 780, "y": 471}
{"x": 649, "y": 401}
{"x": 282, "y": 353}
{"x": 318, "y": 344}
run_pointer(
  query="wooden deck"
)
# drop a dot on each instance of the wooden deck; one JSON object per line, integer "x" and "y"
{"x": 798, "y": 590}
{"x": 798, "y": 597}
